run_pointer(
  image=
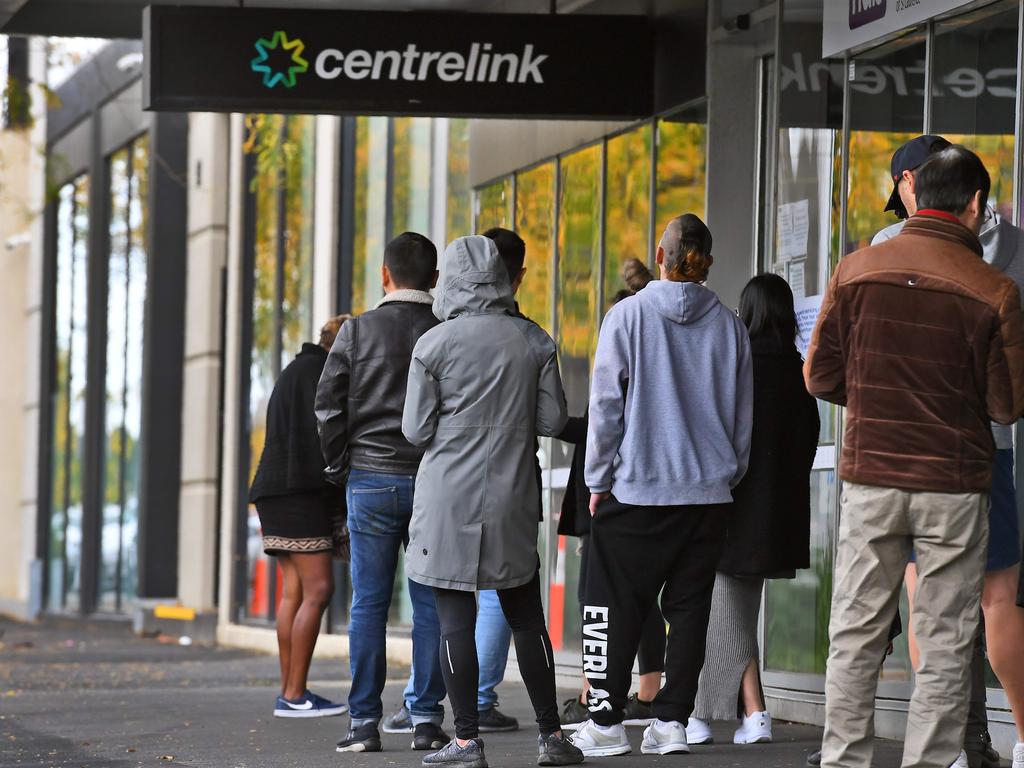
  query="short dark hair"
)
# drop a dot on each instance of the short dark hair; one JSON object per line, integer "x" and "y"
{"x": 766, "y": 306}
{"x": 511, "y": 248}
{"x": 687, "y": 244}
{"x": 412, "y": 260}
{"x": 948, "y": 179}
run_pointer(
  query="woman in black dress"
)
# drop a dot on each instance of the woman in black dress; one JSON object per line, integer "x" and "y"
{"x": 301, "y": 516}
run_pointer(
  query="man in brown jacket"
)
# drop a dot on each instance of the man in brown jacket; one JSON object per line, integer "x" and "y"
{"x": 924, "y": 344}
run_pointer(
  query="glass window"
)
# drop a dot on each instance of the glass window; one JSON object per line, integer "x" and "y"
{"x": 627, "y": 205}
{"x": 459, "y": 206}
{"x": 126, "y": 297}
{"x": 494, "y": 206}
{"x": 535, "y": 223}
{"x": 973, "y": 96}
{"x": 281, "y": 309}
{"x": 371, "y": 171}
{"x": 70, "y": 310}
{"x": 410, "y": 157}
{"x": 682, "y": 149}
{"x": 886, "y": 110}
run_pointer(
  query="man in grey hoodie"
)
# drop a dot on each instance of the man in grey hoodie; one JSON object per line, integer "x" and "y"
{"x": 1003, "y": 246}
{"x": 670, "y": 422}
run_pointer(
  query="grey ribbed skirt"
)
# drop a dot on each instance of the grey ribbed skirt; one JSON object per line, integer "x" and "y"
{"x": 732, "y": 643}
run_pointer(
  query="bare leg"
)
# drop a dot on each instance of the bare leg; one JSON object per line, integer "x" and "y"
{"x": 583, "y": 694}
{"x": 650, "y": 684}
{"x": 910, "y": 581}
{"x": 1004, "y": 630}
{"x": 290, "y": 601}
{"x": 750, "y": 689}
{"x": 314, "y": 571}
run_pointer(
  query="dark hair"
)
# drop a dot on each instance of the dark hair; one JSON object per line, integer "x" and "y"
{"x": 766, "y": 306}
{"x": 687, "y": 244}
{"x": 412, "y": 260}
{"x": 947, "y": 180}
{"x": 636, "y": 274}
{"x": 898, "y": 208}
{"x": 511, "y": 248}
{"x": 329, "y": 331}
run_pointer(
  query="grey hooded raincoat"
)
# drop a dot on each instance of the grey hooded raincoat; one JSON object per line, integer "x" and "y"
{"x": 481, "y": 386}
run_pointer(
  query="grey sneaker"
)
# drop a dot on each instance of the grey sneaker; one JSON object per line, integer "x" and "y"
{"x": 398, "y": 722}
{"x": 492, "y": 720}
{"x": 574, "y": 714}
{"x": 454, "y": 756}
{"x": 595, "y": 741}
{"x": 637, "y": 712}
{"x": 557, "y": 750}
{"x": 661, "y": 738}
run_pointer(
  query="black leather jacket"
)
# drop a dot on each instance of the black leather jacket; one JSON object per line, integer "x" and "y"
{"x": 361, "y": 395}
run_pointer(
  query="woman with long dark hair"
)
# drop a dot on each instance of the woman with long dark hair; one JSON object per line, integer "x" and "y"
{"x": 769, "y": 532}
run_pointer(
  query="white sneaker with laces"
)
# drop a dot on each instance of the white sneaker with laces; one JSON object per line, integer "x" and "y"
{"x": 755, "y": 729}
{"x": 698, "y": 732}
{"x": 961, "y": 762}
{"x": 664, "y": 738}
{"x": 595, "y": 740}
{"x": 1018, "y": 755}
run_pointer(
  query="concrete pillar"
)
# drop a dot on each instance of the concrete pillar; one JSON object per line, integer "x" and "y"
{"x": 208, "y": 153}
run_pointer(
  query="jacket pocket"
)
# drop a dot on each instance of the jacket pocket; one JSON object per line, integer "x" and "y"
{"x": 374, "y": 511}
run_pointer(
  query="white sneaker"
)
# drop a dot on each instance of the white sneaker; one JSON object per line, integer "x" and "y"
{"x": 1018, "y": 755}
{"x": 661, "y": 738}
{"x": 698, "y": 732}
{"x": 755, "y": 729}
{"x": 596, "y": 740}
{"x": 961, "y": 762}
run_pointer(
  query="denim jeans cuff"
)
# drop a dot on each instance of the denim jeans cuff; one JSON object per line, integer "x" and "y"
{"x": 360, "y": 721}
{"x": 427, "y": 717}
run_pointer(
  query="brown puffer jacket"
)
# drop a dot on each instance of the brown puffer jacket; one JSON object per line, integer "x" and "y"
{"x": 924, "y": 343}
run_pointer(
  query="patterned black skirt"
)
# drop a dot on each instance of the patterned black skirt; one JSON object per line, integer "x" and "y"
{"x": 302, "y": 523}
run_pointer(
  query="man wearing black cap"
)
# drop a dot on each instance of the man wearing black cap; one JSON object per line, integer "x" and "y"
{"x": 1003, "y": 246}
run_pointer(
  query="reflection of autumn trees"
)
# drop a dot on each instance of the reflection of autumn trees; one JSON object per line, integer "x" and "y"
{"x": 628, "y": 205}
{"x": 579, "y": 249}
{"x": 459, "y": 207}
{"x": 495, "y": 206}
{"x": 535, "y": 223}
{"x": 681, "y": 171}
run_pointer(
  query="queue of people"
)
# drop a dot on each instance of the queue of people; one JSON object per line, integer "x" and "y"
{"x": 445, "y": 385}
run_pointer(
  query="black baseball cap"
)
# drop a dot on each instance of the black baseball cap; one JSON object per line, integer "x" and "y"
{"x": 908, "y": 157}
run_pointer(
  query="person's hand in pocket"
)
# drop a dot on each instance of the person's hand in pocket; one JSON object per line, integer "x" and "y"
{"x": 595, "y": 501}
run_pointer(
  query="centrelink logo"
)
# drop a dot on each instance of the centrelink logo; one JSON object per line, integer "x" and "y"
{"x": 480, "y": 64}
{"x": 296, "y": 64}
{"x": 865, "y": 11}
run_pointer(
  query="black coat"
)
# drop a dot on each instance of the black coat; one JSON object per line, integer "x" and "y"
{"x": 291, "y": 461}
{"x": 769, "y": 530}
{"x": 575, "y": 517}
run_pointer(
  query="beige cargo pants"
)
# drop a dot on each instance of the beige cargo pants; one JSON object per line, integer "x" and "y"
{"x": 878, "y": 527}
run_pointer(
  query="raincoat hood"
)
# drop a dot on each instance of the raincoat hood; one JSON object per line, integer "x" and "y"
{"x": 472, "y": 280}
{"x": 682, "y": 303}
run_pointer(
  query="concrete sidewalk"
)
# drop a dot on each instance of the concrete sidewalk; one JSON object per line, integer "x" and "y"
{"x": 92, "y": 695}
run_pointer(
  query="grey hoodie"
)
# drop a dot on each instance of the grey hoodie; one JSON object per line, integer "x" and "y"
{"x": 671, "y": 403}
{"x": 482, "y": 385}
{"x": 1003, "y": 244}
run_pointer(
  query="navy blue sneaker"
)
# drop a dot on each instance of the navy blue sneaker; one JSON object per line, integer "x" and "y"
{"x": 310, "y": 705}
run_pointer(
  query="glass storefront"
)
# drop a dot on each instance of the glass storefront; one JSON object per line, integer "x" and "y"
{"x": 69, "y": 394}
{"x": 126, "y": 299}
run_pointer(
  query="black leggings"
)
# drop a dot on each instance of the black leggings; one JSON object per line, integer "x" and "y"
{"x": 650, "y": 655}
{"x": 525, "y": 614}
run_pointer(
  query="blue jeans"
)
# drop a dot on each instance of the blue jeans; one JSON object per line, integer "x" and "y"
{"x": 379, "y": 510}
{"x": 493, "y": 636}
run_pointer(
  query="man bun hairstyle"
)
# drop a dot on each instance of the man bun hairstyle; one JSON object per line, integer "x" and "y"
{"x": 329, "y": 331}
{"x": 511, "y": 248}
{"x": 687, "y": 246}
{"x": 412, "y": 260}
{"x": 636, "y": 274}
{"x": 948, "y": 180}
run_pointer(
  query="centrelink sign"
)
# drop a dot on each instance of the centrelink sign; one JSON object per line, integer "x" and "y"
{"x": 353, "y": 62}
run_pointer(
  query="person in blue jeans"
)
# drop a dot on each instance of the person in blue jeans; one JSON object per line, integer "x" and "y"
{"x": 493, "y": 636}
{"x": 359, "y": 404}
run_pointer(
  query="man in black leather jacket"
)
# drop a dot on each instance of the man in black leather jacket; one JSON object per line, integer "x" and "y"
{"x": 359, "y": 405}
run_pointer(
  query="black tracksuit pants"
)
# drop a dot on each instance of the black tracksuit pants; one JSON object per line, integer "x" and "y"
{"x": 635, "y": 553}
{"x": 522, "y": 606}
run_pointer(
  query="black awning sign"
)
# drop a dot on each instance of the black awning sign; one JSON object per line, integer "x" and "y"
{"x": 281, "y": 60}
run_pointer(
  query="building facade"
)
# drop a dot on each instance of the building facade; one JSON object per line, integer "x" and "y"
{"x": 179, "y": 261}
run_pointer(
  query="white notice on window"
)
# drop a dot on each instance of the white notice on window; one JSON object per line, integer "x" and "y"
{"x": 807, "y": 310}
{"x": 793, "y": 226}
{"x": 796, "y": 278}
